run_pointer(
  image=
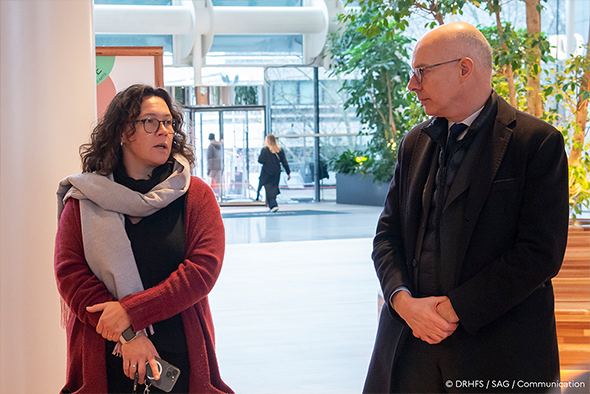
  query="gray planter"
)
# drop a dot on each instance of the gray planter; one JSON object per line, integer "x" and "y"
{"x": 354, "y": 189}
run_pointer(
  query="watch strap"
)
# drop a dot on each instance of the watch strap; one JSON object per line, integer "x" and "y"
{"x": 128, "y": 335}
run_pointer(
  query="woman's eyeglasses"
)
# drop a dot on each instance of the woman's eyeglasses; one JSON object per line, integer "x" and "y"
{"x": 151, "y": 125}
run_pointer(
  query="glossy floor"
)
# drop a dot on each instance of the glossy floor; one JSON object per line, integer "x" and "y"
{"x": 295, "y": 307}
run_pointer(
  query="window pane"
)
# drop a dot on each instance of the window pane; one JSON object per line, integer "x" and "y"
{"x": 256, "y": 49}
{"x": 284, "y": 93}
{"x": 133, "y": 2}
{"x": 134, "y": 40}
{"x": 259, "y": 3}
{"x": 306, "y": 93}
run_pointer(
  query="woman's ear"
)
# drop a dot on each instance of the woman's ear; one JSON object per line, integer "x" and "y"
{"x": 124, "y": 138}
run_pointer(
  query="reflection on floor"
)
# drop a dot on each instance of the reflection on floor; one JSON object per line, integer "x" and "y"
{"x": 295, "y": 307}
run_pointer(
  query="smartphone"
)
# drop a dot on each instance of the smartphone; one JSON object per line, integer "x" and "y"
{"x": 168, "y": 375}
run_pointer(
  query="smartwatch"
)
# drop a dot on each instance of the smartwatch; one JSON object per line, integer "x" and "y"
{"x": 128, "y": 335}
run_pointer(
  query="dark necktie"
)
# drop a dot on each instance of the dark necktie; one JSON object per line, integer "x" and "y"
{"x": 454, "y": 133}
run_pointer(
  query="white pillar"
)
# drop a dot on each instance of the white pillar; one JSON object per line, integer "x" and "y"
{"x": 570, "y": 24}
{"x": 47, "y": 80}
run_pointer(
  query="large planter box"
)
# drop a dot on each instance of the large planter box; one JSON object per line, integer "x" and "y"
{"x": 356, "y": 190}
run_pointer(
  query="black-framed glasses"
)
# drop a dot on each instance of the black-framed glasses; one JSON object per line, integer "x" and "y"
{"x": 151, "y": 125}
{"x": 418, "y": 72}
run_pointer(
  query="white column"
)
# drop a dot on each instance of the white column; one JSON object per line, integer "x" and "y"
{"x": 47, "y": 110}
{"x": 570, "y": 24}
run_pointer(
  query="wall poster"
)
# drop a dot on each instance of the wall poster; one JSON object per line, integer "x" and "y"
{"x": 120, "y": 67}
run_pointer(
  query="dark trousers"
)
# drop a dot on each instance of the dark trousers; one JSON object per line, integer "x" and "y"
{"x": 424, "y": 368}
{"x": 271, "y": 195}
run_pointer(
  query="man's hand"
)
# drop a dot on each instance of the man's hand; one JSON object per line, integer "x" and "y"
{"x": 423, "y": 318}
{"x": 135, "y": 354}
{"x": 445, "y": 309}
{"x": 113, "y": 320}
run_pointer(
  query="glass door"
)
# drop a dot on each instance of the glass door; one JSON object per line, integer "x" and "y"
{"x": 227, "y": 141}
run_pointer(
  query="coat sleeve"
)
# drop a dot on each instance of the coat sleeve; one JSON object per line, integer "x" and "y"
{"x": 195, "y": 277}
{"x": 262, "y": 156}
{"x": 535, "y": 254}
{"x": 389, "y": 254}
{"x": 284, "y": 161}
{"x": 76, "y": 283}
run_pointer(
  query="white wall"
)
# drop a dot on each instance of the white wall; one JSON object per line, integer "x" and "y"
{"x": 47, "y": 110}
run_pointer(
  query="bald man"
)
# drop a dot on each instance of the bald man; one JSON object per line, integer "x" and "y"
{"x": 473, "y": 229}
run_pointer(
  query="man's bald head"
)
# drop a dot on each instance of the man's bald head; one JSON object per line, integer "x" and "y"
{"x": 455, "y": 71}
{"x": 460, "y": 39}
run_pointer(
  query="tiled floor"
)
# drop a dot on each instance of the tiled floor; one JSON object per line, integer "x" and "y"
{"x": 295, "y": 307}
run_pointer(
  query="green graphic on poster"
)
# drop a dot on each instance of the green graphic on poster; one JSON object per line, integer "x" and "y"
{"x": 104, "y": 65}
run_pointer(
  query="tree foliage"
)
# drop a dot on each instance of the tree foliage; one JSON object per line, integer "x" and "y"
{"x": 568, "y": 93}
{"x": 510, "y": 49}
{"x": 371, "y": 44}
{"x": 376, "y": 72}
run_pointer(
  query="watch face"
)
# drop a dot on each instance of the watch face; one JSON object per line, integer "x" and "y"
{"x": 128, "y": 334}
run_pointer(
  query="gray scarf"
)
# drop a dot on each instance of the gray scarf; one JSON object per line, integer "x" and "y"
{"x": 103, "y": 206}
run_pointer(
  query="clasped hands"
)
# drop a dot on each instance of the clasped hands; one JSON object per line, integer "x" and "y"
{"x": 432, "y": 319}
{"x": 112, "y": 322}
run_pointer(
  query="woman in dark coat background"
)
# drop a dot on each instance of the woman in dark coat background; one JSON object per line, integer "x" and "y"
{"x": 271, "y": 158}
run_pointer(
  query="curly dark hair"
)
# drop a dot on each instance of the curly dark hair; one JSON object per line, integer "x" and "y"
{"x": 103, "y": 153}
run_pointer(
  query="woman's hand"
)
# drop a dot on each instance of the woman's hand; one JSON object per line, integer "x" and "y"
{"x": 135, "y": 354}
{"x": 113, "y": 321}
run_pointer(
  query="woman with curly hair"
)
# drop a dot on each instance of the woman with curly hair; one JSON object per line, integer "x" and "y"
{"x": 140, "y": 244}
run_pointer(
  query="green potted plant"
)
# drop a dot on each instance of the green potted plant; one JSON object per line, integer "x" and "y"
{"x": 375, "y": 71}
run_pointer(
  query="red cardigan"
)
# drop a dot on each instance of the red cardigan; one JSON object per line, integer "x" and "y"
{"x": 185, "y": 292}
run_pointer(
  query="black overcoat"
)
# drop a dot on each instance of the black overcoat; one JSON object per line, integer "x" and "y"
{"x": 270, "y": 173}
{"x": 503, "y": 236}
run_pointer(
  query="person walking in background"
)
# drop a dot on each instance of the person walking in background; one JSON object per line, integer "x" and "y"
{"x": 473, "y": 229}
{"x": 215, "y": 164}
{"x": 139, "y": 246}
{"x": 271, "y": 157}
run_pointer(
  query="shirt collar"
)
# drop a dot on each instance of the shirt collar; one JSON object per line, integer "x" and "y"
{"x": 468, "y": 121}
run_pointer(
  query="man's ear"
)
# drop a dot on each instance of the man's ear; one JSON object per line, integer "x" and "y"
{"x": 467, "y": 66}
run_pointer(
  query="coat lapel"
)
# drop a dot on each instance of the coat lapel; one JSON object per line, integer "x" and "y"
{"x": 492, "y": 151}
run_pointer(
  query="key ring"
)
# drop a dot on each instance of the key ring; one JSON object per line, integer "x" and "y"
{"x": 147, "y": 387}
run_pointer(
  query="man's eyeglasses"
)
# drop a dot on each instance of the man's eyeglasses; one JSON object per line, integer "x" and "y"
{"x": 151, "y": 125}
{"x": 418, "y": 72}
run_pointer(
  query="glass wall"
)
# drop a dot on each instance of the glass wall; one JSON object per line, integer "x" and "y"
{"x": 255, "y": 49}
{"x": 227, "y": 143}
{"x": 286, "y": 90}
{"x": 289, "y": 114}
{"x": 257, "y": 3}
{"x": 292, "y": 121}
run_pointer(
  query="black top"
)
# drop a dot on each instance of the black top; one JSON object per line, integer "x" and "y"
{"x": 158, "y": 243}
{"x": 271, "y": 162}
